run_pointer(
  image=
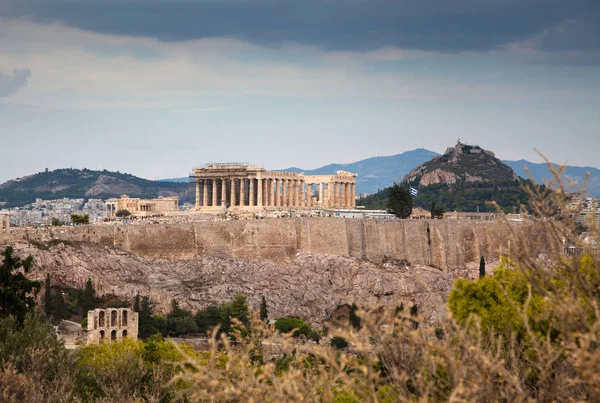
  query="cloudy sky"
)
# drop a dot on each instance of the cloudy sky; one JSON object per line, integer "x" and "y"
{"x": 155, "y": 87}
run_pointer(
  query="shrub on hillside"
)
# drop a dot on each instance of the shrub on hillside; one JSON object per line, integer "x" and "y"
{"x": 300, "y": 328}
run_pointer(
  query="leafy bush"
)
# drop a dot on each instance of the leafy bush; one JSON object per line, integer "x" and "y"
{"x": 300, "y": 327}
{"x": 339, "y": 342}
{"x": 123, "y": 213}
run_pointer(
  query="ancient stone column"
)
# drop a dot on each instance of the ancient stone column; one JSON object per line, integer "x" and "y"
{"x": 223, "y": 191}
{"x": 214, "y": 192}
{"x": 320, "y": 193}
{"x": 307, "y": 198}
{"x": 334, "y": 194}
{"x": 277, "y": 192}
{"x": 284, "y": 192}
{"x": 251, "y": 191}
{"x": 267, "y": 192}
{"x": 346, "y": 195}
{"x": 353, "y": 195}
{"x": 259, "y": 192}
{"x": 272, "y": 194}
{"x": 204, "y": 193}
{"x": 197, "y": 193}
{"x": 242, "y": 192}
{"x": 232, "y": 196}
{"x": 296, "y": 193}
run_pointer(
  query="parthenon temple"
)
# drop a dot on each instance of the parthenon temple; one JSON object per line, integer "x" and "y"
{"x": 242, "y": 186}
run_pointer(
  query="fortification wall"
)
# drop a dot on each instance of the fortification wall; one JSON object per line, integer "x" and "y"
{"x": 445, "y": 244}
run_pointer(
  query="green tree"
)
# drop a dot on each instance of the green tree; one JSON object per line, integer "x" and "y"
{"x": 60, "y": 310}
{"x": 264, "y": 314}
{"x": 239, "y": 309}
{"x": 145, "y": 322}
{"x": 47, "y": 296}
{"x": 481, "y": 267}
{"x": 136, "y": 303}
{"x": 79, "y": 219}
{"x": 399, "y": 201}
{"x": 180, "y": 321}
{"x": 56, "y": 222}
{"x": 208, "y": 318}
{"x": 436, "y": 212}
{"x": 286, "y": 325}
{"x": 88, "y": 298}
{"x": 498, "y": 301}
{"x": 17, "y": 292}
{"x": 123, "y": 213}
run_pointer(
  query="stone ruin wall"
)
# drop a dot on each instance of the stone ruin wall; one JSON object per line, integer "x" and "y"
{"x": 449, "y": 244}
{"x": 112, "y": 324}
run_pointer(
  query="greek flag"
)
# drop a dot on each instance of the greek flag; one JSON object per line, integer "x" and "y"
{"x": 413, "y": 192}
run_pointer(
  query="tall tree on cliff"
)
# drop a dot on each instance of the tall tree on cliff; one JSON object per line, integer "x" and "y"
{"x": 136, "y": 303}
{"x": 17, "y": 292}
{"x": 264, "y": 314}
{"x": 145, "y": 325}
{"x": 88, "y": 298}
{"x": 47, "y": 296}
{"x": 481, "y": 267}
{"x": 400, "y": 201}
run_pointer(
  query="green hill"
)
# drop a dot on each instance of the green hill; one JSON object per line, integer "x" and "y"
{"x": 464, "y": 178}
{"x": 85, "y": 183}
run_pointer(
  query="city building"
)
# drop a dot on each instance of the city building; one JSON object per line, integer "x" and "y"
{"x": 242, "y": 186}
{"x": 141, "y": 207}
{"x": 44, "y": 212}
{"x": 477, "y": 216}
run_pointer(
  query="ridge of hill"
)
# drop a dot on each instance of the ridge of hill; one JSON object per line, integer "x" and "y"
{"x": 461, "y": 163}
{"x": 85, "y": 183}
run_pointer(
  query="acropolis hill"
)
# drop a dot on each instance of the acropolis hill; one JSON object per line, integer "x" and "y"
{"x": 305, "y": 267}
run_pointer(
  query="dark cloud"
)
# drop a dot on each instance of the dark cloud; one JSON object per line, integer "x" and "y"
{"x": 440, "y": 25}
{"x": 572, "y": 34}
{"x": 12, "y": 82}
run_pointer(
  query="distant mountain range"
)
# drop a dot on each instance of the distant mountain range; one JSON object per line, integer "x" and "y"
{"x": 380, "y": 172}
{"x": 373, "y": 174}
{"x": 377, "y": 173}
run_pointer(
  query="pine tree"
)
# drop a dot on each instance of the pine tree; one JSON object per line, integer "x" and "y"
{"x": 399, "y": 201}
{"x": 481, "y": 267}
{"x": 145, "y": 325}
{"x": 59, "y": 307}
{"x": 17, "y": 292}
{"x": 239, "y": 309}
{"x": 88, "y": 298}
{"x": 47, "y": 296}
{"x": 264, "y": 314}
{"x": 136, "y": 303}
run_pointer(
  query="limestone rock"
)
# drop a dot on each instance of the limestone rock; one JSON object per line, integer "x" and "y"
{"x": 309, "y": 286}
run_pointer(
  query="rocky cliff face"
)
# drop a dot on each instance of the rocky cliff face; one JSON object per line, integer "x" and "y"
{"x": 461, "y": 163}
{"x": 310, "y": 286}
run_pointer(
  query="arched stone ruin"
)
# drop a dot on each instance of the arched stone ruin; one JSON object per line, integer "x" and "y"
{"x": 112, "y": 324}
